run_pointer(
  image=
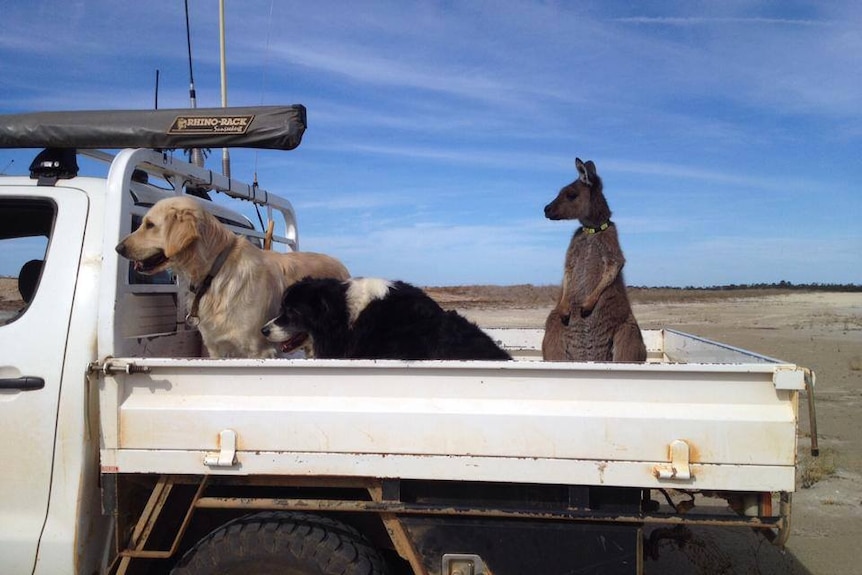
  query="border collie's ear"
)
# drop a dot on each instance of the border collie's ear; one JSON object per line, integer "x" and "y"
{"x": 584, "y": 172}
{"x": 182, "y": 231}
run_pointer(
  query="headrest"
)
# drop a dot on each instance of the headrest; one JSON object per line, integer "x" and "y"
{"x": 28, "y": 279}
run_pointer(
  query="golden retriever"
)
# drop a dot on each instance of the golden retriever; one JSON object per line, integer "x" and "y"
{"x": 236, "y": 286}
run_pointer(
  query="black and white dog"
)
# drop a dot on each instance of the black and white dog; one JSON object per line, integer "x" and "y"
{"x": 375, "y": 319}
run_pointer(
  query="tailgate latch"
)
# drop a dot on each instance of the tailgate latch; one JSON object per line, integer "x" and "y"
{"x": 678, "y": 468}
{"x": 226, "y": 455}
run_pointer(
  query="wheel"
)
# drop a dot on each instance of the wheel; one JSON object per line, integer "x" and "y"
{"x": 282, "y": 543}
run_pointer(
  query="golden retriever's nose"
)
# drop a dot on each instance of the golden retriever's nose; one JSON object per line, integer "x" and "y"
{"x": 121, "y": 248}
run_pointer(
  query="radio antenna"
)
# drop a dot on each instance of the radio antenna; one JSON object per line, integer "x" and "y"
{"x": 196, "y": 155}
{"x": 225, "y": 155}
{"x": 156, "y": 99}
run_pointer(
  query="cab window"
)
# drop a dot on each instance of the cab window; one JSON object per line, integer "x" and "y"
{"x": 25, "y": 229}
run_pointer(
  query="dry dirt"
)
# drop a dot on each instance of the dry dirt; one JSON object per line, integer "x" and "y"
{"x": 818, "y": 330}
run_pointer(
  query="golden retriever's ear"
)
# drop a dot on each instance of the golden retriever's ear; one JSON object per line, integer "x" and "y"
{"x": 181, "y": 232}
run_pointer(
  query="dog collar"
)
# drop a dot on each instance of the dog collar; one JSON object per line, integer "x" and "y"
{"x": 601, "y": 228}
{"x": 192, "y": 318}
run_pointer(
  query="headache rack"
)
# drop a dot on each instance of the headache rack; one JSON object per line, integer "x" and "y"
{"x": 142, "y": 152}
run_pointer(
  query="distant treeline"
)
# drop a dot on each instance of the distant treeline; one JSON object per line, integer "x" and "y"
{"x": 782, "y": 285}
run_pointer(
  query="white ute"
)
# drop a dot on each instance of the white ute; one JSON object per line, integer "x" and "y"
{"x": 126, "y": 451}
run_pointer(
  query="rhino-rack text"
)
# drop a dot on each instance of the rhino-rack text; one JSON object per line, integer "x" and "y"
{"x": 211, "y": 124}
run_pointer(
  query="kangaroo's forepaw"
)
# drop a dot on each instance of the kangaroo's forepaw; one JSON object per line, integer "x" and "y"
{"x": 564, "y": 313}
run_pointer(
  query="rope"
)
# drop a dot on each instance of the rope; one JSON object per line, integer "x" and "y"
{"x": 267, "y": 240}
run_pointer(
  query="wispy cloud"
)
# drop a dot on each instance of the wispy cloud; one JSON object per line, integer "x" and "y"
{"x": 439, "y": 254}
{"x": 437, "y": 131}
{"x": 713, "y": 21}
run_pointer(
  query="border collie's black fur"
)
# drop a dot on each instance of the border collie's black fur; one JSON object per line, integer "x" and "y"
{"x": 375, "y": 319}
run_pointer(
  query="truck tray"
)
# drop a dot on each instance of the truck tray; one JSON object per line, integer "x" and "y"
{"x": 697, "y": 415}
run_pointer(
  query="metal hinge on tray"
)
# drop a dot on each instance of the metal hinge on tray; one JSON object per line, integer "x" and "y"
{"x": 678, "y": 468}
{"x": 226, "y": 455}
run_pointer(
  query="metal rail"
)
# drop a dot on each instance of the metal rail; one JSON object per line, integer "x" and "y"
{"x": 401, "y": 508}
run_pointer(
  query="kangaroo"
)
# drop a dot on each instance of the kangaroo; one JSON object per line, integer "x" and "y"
{"x": 593, "y": 321}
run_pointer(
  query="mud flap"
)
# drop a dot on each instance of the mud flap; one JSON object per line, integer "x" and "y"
{"x": 515, "y": 547}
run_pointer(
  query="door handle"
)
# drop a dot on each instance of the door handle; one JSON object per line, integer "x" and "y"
{"x": 24, "y": 383}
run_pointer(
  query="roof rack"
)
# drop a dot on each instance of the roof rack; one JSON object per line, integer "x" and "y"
{"x": 262, "y": 127}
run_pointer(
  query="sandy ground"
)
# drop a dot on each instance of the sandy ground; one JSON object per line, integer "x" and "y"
{"x": 821, "y": 331}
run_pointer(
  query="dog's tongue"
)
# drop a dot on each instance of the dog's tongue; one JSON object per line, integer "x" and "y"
{"x": 293, "y": 342}
{"x": 138, "y": 266}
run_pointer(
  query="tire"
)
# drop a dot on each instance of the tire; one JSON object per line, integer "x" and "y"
{"x": 282, "y": 543}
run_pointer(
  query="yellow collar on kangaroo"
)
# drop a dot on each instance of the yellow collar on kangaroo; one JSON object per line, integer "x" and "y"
{"x": 601, "y": 228}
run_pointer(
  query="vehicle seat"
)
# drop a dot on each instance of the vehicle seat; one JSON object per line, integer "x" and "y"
{"x": 28, "y": 279}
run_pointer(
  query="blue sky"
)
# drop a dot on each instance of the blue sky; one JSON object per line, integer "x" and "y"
{"x": 728, "y": 134}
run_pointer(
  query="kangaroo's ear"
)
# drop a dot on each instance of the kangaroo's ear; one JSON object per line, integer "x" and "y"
{"x": 583, "y": 171}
